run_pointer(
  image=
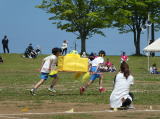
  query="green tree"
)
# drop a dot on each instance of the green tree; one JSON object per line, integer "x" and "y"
{"x": 132, "y": 15}
{"x": 82, "y": 17}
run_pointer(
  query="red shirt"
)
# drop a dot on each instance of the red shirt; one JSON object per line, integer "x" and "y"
{"x": 124, "y": 58}
{"x": 108, "y": 63}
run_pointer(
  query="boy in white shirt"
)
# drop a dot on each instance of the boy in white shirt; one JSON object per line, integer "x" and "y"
{"x": 49, "y": 64}
{"x": 95, "y": 73}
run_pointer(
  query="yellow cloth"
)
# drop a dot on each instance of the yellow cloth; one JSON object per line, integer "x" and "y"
{"x": 78, "y": 74}
{"x": 53, "y": 72}
{"x": 72, "y": 63}
{"x": 86, "y": 76}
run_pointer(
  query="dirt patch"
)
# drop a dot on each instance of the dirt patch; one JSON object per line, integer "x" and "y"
{"x": 95, "y": 111}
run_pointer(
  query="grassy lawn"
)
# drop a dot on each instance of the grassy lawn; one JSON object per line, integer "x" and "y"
{"x": 18, "y": 75}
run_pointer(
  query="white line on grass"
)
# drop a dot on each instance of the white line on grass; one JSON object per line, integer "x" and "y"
{"x": 51, "y": 113}
{"x": 9, "y": 117}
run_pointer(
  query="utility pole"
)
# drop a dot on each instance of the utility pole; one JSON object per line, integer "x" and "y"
{"x": 148, "y": 35}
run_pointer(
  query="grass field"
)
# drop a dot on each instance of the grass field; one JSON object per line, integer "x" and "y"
{"x": 18, "y": 75}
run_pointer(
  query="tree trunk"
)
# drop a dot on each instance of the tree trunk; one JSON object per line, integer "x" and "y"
{"x": 152, "y": 38}
{"x": 137, "y": 35}
{"x": 152, "y": 32}
{"x": 138, "y": 43}
{"x": 83, "y": 44}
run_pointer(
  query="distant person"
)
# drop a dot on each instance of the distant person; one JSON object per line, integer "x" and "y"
{"x": 5, "y": 44}
{"x": 30, "y": 47}
{"x": 124, "y": 57}
{"x": 1, "y": 59}
{"x": 121, "y": 96}
{"x": 112, "y": 68}
{"x": 154, "y": 70}
{"x": 38, "y": 49}
{"x": 108, "y": 63}
{"x": 28, "y": 51}
{"x": 64, "y": 47}
{"x": 48, "y": 66}
{"x": 84, "y": 54}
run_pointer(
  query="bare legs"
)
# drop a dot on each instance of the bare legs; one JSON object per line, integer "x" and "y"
{"x": 39, "y": 83}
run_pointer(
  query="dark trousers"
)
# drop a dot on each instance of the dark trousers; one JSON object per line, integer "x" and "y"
{"x": 127, "y": 102}
{"x": 64, "y": 51}
{"x": 5, "y": 47}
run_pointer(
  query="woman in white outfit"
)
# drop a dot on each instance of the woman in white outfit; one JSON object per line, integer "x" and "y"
{"x": 120, "y": 96}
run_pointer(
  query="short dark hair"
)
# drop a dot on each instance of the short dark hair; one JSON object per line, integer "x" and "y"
{"x": 102, "y": 52}
{"x": 154, "y": 65}
{"x": 56, "y": 50}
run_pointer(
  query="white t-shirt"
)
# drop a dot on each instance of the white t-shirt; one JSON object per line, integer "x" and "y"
{"x": 64, "y": 45}
{"x": 97, "y": 61}
{"x": 50, "y": 62}
{"x": 121, "y": 90}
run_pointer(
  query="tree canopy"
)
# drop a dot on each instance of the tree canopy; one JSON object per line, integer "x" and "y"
{"x": 132, "y": 15}
{"x": 88, "y": 17}
{"x": 82, "y": 17}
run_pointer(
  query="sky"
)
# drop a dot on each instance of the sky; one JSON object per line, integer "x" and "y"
{"x": 24, "y": 24}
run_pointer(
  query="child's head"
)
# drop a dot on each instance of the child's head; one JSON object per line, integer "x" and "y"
{"x": 154, "y": 65}
{"x": 56, "y": 51}
{"x": 102, "y": 53}
{"x": 123, "y": 53}
{"x": 91, "y": 56}
{"x": 65, "y": 41}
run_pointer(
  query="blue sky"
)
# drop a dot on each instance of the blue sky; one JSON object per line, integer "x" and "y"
{"x": 24, "y": 24}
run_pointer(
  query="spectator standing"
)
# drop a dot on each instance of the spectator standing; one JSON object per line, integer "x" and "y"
{"x": 64, "y": 47}
{"x": 5, "y": 44}
{"x": 124, "y": 57}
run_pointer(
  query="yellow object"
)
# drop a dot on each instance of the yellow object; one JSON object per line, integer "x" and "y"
{"x": 25, "y": 109}
{"x": 70, "y": 111}
{"x": 73, "y": 63}
{"x": 78, "y": 74}
{"x": 86, "y": 76}
{"x": 150, "y": 107}
{"x": 53, "y": 72}
{"x": 115, "y": 109}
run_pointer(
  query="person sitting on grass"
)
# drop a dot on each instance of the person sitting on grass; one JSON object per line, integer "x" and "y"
{"x": 1, "y": 59}
{"x": 121, "y": 96}
{"x": 108, "y": 65}
{"x": 153, "y": 69}
{"x": 112, "y": 68}
{"x": 49, "y": 64}
{"x": 95, "y": 73}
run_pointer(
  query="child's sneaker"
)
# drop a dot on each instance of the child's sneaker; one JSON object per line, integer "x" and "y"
{"x": 52, "y": 90}
{"x": 82, "y": 90}
{"x": 32, "y": 91}
{"x": 101, "y": 90}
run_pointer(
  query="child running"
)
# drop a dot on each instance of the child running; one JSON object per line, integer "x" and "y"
{"x": 121, "y": 96}
{"x": 49, "y": 64}
{"x": 95, "y": 73}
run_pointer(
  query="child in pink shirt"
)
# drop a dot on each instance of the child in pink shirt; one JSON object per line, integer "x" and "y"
{"x": 124, "y": 57}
